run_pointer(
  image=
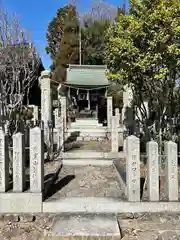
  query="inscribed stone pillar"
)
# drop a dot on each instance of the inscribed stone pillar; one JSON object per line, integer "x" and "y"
{"x": 117, "y": 114}
{"x": 109, "y": 111}
{"x": 36, "y": 160}
{"x": 56, "y": 117}
{"x": 19, "y": 163}
{"x": 61, "y": 133}
{"x": 114, "y": 134}
{"x": 171, "y": 170}
{"x": 133, "y": 168}
{"x": 46, "y": 102}
{"x": 36, "y": 113}
{"x": 63, "y": 111}
{"x": 4, "y": 162}
{"x": 153, "y": 171}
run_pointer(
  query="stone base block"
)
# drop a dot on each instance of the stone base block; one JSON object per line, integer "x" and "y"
{"x": 89, "y": 225}
{"x": 20, "y": 202}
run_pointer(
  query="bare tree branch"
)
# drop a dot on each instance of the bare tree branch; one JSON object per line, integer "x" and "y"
{"x": 19, "y": 61}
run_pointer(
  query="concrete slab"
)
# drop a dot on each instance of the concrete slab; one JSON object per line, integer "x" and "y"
{"x": 94, "y": 225}
{"x": 20, "y": 202}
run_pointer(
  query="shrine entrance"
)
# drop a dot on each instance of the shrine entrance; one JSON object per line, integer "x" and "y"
{"x": 86, "y": 88}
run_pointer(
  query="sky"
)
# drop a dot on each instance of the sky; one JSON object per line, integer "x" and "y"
{"x": 34, "y": 16}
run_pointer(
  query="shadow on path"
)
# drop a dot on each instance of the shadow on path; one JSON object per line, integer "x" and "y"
{"x": 58, "y": 186}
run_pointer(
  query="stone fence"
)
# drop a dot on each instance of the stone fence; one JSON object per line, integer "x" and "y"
{"x": 132, "y": 187}
{"x": 35, "y": 174}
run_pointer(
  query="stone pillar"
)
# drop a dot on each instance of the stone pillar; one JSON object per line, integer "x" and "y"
{"x": 88, "y": 98}
{"x": 36, "y": 160}
{"x": 117, "y": 114}
{"x": 133, "y": 168}
{"x": 127, "y": 99}
{"x": 56, "y": 117}
{"x": 153, "y": 171}
{"x": 62, "y": 133}
{"x": 63, "y": 111}
{"x": 114, "y": 134}
{"x": 46, "y": 102}
{"x": 109, "y": 111}
{"x": 19, "y": 180}
{"x": 36, "y": 113}
{"x": 171, "y": 170}
{"x": 4, "y": 162}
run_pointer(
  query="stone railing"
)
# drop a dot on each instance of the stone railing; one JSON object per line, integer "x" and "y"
{"x": 133, "y": 188}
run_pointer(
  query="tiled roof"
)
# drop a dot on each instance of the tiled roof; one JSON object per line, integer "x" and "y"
{"x": 87, "y": 75}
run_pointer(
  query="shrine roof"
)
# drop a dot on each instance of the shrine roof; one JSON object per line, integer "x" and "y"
{"x": 87, "y": 75}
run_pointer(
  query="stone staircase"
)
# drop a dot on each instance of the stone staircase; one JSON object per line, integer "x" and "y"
{"x": 87, "y": 129}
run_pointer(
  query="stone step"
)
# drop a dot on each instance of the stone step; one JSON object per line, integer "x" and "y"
{"x": 87, "y": 162}
{"x": 86, "y": 122}
{"x": 87, "y": 226}
{"x": 87, "y": 130}
{"x": 93, "y": 138}
{"x": 85, "y": 154}
{"x": 88, "y": 135}
{"x": 77, "y": 125}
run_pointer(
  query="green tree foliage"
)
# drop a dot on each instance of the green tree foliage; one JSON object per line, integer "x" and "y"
{"x": 94, "y": 25}
{"x": 55, "y": 31}
{"x": 93, "y": 41}
{"x": 143, "y": 51}
{"x": 68, "y": 51}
